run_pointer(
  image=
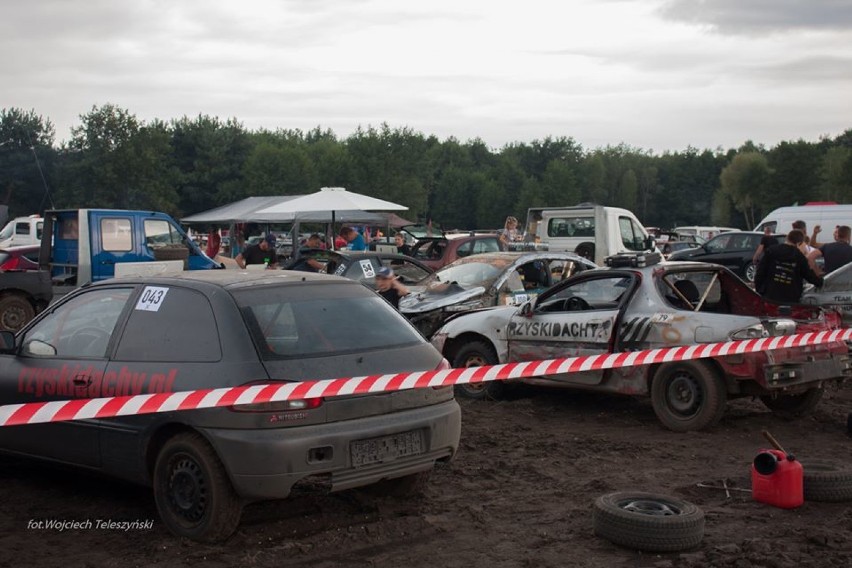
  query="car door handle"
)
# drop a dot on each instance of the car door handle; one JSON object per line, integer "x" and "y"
{"x": 107, "y": 262}
{"x": 82, "y": 380}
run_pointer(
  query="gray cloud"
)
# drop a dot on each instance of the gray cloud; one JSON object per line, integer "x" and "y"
{"x": 252, "y": 60}
{"x": 761, "y": 16}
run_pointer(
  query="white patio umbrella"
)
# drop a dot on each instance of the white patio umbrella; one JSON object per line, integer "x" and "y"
{"x": 332, "y": 199}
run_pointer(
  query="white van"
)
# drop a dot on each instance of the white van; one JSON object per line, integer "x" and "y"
{"x": 592, "y": 231}
{"x": 828, "y": 216}
{"x": 705, "y": 233}
{"x": 22, "y": 231}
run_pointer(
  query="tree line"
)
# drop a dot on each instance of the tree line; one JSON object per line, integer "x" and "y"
{"x": 188, "y": 165}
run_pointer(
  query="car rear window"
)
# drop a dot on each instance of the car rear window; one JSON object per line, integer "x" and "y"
{"x": 319, "y": 319}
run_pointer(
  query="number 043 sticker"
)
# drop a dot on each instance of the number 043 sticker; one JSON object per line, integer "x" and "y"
{"x": 151, "y": 299}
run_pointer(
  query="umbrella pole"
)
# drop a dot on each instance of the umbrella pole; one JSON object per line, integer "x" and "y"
{"x": 332, "y": 231}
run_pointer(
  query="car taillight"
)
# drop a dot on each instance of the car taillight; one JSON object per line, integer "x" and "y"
{"x": 12, "y": 264}
{"x": 443, "y": 366}
{"x": 277, "y": 406}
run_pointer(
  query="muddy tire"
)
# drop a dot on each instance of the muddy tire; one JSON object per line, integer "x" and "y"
{"x": 648, "y": 521}
{"x": 477, "y": 354}
{"x": 194, "y": 496}
{"x": 792, "y": 406}
{"x": 586, "y": 250}
{"x": 827, "y": 481}
{"x": 15, "y": 312}
{"x": 688, "y": 396}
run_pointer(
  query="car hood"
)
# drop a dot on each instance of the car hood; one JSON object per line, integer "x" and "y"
{"x": 684, "y": 254}
{"x": 436, "y": 297}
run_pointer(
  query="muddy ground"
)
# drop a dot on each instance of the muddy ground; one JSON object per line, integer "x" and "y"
{"x": 519, "y": 493}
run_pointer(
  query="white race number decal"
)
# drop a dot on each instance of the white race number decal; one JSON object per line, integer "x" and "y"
{"x": 151, "y": 299}
{"x": 662, "y": 317}
{"x": 367, "y": 269}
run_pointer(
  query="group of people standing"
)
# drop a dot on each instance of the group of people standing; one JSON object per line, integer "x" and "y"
{"x": 782, "y": 269}
{"x": 387, "y": 284}
{"x": 264, "y": 251}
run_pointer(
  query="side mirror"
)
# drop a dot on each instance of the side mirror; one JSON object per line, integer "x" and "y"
{"x": 7, "y": 342}
{"x": 38, "y": 347}
{"x": 527, "y": 309}
{"x": 650, "y": 243}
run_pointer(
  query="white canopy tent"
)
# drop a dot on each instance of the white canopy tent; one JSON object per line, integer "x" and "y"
{"x": 333, "y": 199}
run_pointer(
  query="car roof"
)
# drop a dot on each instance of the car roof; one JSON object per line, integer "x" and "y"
{"x": 457, "y": 237}
{"x": 731, "y": 233}
{"x": 668, "y": 265}
{"x": 355, "y": 255}
{"x": 532, "y": 255}
{"x": 229, "y": 278}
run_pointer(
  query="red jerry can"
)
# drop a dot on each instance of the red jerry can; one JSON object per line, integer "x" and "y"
{"x": 777, "y": 479}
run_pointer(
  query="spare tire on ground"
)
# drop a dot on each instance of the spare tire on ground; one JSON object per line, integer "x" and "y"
{"x": 648, "y": 521}
{"x": 827, "y": 481}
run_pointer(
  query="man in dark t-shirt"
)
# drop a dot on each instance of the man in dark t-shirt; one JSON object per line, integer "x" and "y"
{"x": 783, "y": 269}
{"x": 306, "y": 263}
{"x": 766, "y": 241}
{"x": 261, "y": 253}
{"x": 389, "y": 287}
{"x": 401, "y": 246}
{"x": 838, "y": 253}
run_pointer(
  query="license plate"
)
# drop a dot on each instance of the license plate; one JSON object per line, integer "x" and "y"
{"x": 386, "y": 448}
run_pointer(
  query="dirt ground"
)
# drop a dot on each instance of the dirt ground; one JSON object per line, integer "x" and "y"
{"x": 519, "y": 493}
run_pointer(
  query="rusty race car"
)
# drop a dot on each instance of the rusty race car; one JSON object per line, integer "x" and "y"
{"x": 630, "y": 307}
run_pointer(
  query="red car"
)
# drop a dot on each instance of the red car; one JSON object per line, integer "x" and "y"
{"x": 19, "y": 258}
{"x": 436, "y": 252}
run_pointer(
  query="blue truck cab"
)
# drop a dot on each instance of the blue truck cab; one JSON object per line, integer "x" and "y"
{"x": 80, "y": 246}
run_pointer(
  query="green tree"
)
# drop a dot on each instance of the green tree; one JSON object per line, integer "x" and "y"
{"x": 391, "y": 164}
{"x": 746, "y": 181}
{"x": 272, "y": 169}
{"x": 835, "y": 175}
{"x": 649, "y": 187}
{"x": 26, "y": 161}
{"x": 628, "y": 189}
{"x": 795, "y": 174}
{"x": 210, "y": 155}
{"x": 330, "y": 159}
{"x": 153, "y": 178}
{"x": 101, "y": 157}
{"x": 687, "y": 181}
{"x": 116, "y": 161}
{"x": 594, "y": 189}
{"x": 559, "y": 183}
{"x": 720, "y": 214}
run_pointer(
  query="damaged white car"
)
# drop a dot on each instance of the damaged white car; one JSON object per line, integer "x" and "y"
{"x": 486, "y": 280}
{"x": 629, "y": 307}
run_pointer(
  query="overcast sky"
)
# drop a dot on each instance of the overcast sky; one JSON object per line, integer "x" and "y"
{"x": 655, "y": 74}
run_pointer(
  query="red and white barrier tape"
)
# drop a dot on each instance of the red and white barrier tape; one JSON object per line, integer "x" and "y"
{"x": 108, "y": 407}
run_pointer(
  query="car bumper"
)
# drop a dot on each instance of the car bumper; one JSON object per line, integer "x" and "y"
{"x": 789, "y": 375}
{"x": 265, "y": 464}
